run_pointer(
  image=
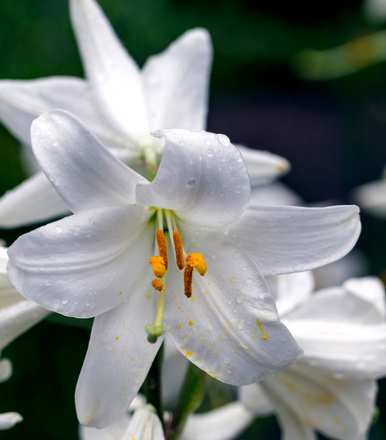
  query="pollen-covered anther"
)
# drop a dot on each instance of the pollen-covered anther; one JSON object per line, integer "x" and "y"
{"x": 158, "y": 265}
{"x": 196, "y": 261}
{"x": 157, "y": 284}
{"x": 162, "y": 246}
{"x": 179, "y": 249}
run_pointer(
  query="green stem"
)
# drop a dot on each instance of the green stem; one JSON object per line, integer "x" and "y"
{"x": 153, "y": 385}
{"x": 190, "y": 398}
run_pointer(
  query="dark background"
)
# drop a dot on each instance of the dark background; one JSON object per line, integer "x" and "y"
{"x": 333, "y": 133}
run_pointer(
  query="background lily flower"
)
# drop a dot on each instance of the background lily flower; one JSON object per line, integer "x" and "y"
{"x": 372, "y": 196}
{"x": 219, "y": 311}
{"x": 141, "y": 424}
{"x": 119, "y": 103}
{"x": 332, "y": 388}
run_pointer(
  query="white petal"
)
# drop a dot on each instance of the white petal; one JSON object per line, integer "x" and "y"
{"x": 201, "y": 176}
{"x": 372, "y": 197}
{"x": 9, "y": 420}
{"x": 342, "y": 333}
{"x": 112, "y": 73}
{"x": 370, "y": 290}
{"x": 220, "y": 327}
{"x": 5, "y": 369}
{"x": 23, "y": 101}
{"x": 263, "y": 166}
{"x": 145, "y": 425}
{"x": 285, "y": 239}
{"x": 83, "y": 172}
{"x": 85, "y": 264}
{"x": 291, "y": 290}
{"x": 223, "y": 423}
{"x": 274, "y": 194}
{"x": 32, "y": 201}
{"x": 255, "y": 400}
{"x": 177, "y": 80}
{"x": 117, "y": 361}
{"x": 337, "y": 408}
{"x": 17, "y": 319}
{"x": 116, "y": 431}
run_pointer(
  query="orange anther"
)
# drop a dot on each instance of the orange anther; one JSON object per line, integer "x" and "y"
{"x": 158, "y": 265}
{"x": 162, "y": 246}
{"x": 197, "y": 261}
{"x": 179, "y": 249}
{"x": 158, "y": 284}
{"x": 188, "y": 280}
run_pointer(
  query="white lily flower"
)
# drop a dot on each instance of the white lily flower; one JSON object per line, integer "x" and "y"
{"x": 95, "y": 263}
{"x": 372, "y": 196}
{"x": 142, "y": 424}
{"x": 332, "y": 388}
{"x": 119, "y": 103}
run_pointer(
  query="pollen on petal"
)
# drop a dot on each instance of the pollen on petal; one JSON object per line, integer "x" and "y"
{"x": 263, "y": 332}
{"x": 190, "y": 323}
{"x": 157, "y": 263}
{"x": 188, "y": 354}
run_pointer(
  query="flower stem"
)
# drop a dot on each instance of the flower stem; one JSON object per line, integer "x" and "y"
{"x": 190, "y": 398}
{"x": 153, "y": 384}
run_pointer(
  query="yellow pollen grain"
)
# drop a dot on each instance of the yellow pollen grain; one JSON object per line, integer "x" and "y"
{"x": 157, "y": 263}
{"x": 157, "y": 285}
{"x": 188, "y": 354}
{"x": 117, "y": 338}
{"x": 179, "y": 249}
{"x": 162, "y": 246}
{"x": 264, "y": 334}
{"x": 197, "y": 261}
{"x": 190, "y": 323}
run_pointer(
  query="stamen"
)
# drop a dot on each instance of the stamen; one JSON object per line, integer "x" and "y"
{"x": 155, "y": 330}
{"x": 157, "y": 263}
{"x": 188, "y": 280}
{"x": 162, "y": 246}
{"x": 197, "y": 261}
{"x": 179, "y": 249}
{"x": 158, "y": 284}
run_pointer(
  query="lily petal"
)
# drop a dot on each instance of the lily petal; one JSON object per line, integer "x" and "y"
{"x": 83, "y": 172}
{"x": 85, "y": 264}
{"x": 32, "y": 201}
{"x": 112, "y": 73}
{"x": 201, "y": 176}
{"x": 291, "y": 290}
{"x": 115, "y": 431}
{"x": 23, "y": 101}
{"x": 337, "y": 408}
{"x": 262, "y": 166}
{"x": 225, "y": 423}
{"x": 341, "y": 332}
{"x": 5, "y": 369}
{"x": 229, "y": 327}
{"x": 117, "y": 361}
{"x": 285, "y": 239}
{"x": 372, "y": 197}
{"x": 9, "y": 420}
{"x": 145, "y": 425}
{"x": 255, "y": 400}
{"x": 177, "y": 80}
{"x": 274, "y": 194}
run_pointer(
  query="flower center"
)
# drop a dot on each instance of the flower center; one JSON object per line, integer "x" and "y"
{"x": 186, "y": 262}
